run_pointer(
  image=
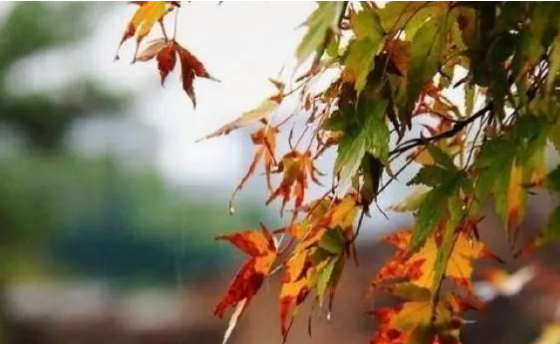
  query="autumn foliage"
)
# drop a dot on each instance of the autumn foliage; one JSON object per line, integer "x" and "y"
{"x": 478, "y": 81}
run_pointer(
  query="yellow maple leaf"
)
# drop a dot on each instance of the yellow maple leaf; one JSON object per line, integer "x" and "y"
{"x": 419, "y": 268}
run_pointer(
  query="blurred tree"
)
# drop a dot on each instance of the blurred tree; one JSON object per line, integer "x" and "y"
{"x": 42, "y": 119}
{"x": 29, "y": 30}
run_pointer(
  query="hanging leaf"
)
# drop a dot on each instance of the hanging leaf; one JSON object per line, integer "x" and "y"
{"x": 166, "y": 56}
{"x": 322, "y": 22}
{"x": 265, "y": 140}
{"x": 434, "y": 208}
{"x": 145, "y": 18}
{"x": 425, "y": 53}
{"x": 191, "y": 67}
{"x": 409, "y": 16}
{"x": 361, "y": 51}
{"x": 372, "y": 137}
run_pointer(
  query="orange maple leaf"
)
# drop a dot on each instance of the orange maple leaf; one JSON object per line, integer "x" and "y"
{"x": 297, "y": 168}
{"x": 260, "y": 246}
{"x": 166, "y": 54}
{"x": 265, "y": 140}
{"x": 145, "y": 18}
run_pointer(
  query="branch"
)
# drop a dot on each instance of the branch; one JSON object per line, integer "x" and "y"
{"x": 457, "y": 127}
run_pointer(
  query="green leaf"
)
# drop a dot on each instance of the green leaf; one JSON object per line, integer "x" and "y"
{"x": 361, "y": 51}
{"x": 469, "y": 98}
{"x": 324, "y": 279}
{"x": 468, "y": 26}
{"x": 407, "y": 15}
{"x": 432, "y": 175}
{"x": 433, "y": 210}
{"x": 441, "y": 158}
{"x": 372, "y": 169}
{"x": 365, "y": 131}
{"x": 359, "y": 61}
{"x": 554, "y": 135}
{"x": 323, "y": 19}
{"x": 425, "y": 55}
{"x": 333, "y": 241}
{"x": 543, "y": 17}
{"x": 376, "y": 131}
{"x": 554, "y": 66}
{"x": 553, "y": 179}
{"x": 454, "y": 207}
{"x": 410, "y": 292}
{"x": 493, "y": 164}
{"x": 552, "y": 229}
{"x": 366, "y": 25}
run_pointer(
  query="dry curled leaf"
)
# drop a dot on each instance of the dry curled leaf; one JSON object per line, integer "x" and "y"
{"x": 166, "y": 53}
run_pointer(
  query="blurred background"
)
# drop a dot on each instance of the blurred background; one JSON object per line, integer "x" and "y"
{"x": 108, "y": 207}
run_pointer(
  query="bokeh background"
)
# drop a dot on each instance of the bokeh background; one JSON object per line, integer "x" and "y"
{"x": 108, "y": 206}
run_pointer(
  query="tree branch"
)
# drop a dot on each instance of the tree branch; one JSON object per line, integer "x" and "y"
{"x": 457, "y": 127}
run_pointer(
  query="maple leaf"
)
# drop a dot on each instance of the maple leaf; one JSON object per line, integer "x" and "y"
{"x": 425, "y": 51}
{"x": 265, "y": 140}
{"x": 419, "y": 319}
{"x": 296, "y": 168}
{"x": 361, "y": 51}
{"x": 261, "y": 248}
{"x": 145, "y": 18}
{"x": 418, "y": 268}
{"x": 320, "y": 23}
{"x": 166, "y": 54}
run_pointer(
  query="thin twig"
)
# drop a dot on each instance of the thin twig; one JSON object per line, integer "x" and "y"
{"x": 457, "y": 127}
